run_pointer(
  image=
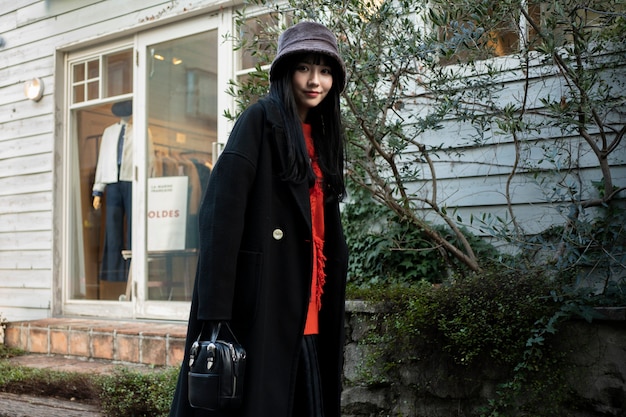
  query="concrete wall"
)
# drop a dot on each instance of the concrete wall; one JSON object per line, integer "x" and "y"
{"x": 434, "y": 386}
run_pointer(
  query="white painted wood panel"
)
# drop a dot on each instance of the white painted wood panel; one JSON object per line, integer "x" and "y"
{"x": 25, "y": 221}
{"x": 24, "y": 165}
{"x": 11, "y": 261}
{"x": 491, "y": 190}
{"x": 14, "y": 5}
{"x": 120, "y": 13}
{"x": 29, "y": 298}
{"x": 20, "y": 128}
{"x": 25, "y": 146}
{"x": 26, "y": 279}
{"x": 14, "y": 314}
{"x": 532, "y": 220}
{"x": 49, "y": 9}
{"x": 26, "y": 202}
{"x": 36, "y": 66}
{"x": 20, "y": 240}
{"x": 39, "y": 182}
{"x": 486, "y": 162}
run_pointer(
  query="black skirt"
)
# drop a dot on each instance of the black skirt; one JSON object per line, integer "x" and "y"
{"x": 308, "y": 401}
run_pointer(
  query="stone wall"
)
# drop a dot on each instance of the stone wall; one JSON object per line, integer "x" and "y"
{"x": 434, "y": 386}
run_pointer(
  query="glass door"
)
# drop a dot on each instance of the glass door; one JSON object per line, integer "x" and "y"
{"x": 178, "y": 83}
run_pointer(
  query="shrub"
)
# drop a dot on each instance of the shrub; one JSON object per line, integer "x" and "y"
{"x": 46, "y": 382}
{"x": 386, "y": 250}
{"x": 129, "y": 393}
{"x": 487, "y": 316}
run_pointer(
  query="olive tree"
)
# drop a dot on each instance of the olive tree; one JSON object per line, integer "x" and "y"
{"x": 428, "y": 81}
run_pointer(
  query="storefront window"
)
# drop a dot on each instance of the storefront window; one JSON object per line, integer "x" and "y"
{"x": 182, "y": 120}
{"x": 102, "y": 183}
{"x": 181, "y": 129}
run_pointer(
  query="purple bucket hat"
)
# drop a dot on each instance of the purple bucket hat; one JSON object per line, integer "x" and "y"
{"x": 309, "y": 37}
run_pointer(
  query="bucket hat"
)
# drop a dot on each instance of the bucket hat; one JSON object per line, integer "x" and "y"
{"x": 307, "y": 37}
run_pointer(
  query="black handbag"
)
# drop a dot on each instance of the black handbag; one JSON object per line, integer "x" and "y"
{"x": 216, "y": 371}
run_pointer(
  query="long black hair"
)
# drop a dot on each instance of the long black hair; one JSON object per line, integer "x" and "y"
{"x": 326, "y": 127}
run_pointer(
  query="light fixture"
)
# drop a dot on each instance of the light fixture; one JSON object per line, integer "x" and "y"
{"x": 159, "y": 57}
{"x": 177, "y": 61}
{"x": 33, "y": 89}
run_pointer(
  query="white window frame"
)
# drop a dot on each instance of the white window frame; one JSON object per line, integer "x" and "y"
{"x": 138, "y": 307}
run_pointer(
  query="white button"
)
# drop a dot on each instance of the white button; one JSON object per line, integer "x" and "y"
{"x": 277, "y": 234}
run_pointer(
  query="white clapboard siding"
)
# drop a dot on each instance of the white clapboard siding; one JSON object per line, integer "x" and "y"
{"x": 13, "y": 148}
{"x": 23, "y": 313}
{"x": 473, "y": 173}
{"x": 25, "y": 221}
{"x": 26, "y": 202}
{"x": 33, "y": 279}
{"x": 22, "y": 262}
{"x": 21, "y": 127}
{"x": 499, "y": 159}
{"x": 14, "y": 186}
{"x": 39, "y": 298}
{"x": 39, "y": 10}
{"x": 26, "y": 240}
{"x": 532, "y": 221}
{"x": 23, "y": 165}
{"x": 491, "y": 191}
{"x": 15, "y": 70}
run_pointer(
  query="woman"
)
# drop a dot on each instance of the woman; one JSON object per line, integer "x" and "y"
{"x": 273, "y": 256}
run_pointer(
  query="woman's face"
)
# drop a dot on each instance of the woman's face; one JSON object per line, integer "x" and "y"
{"x": 311, "y": 83}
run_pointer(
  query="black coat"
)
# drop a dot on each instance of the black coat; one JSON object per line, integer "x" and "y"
{"x": 254, "y": 269}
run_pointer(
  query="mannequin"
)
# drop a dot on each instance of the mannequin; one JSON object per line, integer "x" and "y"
{"x": 114, "y": 173}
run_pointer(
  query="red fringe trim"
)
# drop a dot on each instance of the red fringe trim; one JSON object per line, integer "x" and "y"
{"x": 321, "y": 270}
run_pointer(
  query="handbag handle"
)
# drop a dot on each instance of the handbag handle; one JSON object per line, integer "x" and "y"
{"x": 216, "y": 331}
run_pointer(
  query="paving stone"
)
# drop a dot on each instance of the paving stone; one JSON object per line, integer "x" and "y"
{"x": 12, "y": 405}
{"x": 62, "y": 363}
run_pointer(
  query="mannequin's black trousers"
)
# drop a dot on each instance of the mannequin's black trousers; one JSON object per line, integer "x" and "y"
{"x": 117, "y": 228}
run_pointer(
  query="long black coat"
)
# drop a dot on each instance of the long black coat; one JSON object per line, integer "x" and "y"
{"x": 255, "y": 268}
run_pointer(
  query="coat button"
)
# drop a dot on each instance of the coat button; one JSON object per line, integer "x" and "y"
{"x": 277, "y": 234}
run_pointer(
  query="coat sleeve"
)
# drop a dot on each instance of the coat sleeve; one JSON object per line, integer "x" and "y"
{"x": 222, "y": 214}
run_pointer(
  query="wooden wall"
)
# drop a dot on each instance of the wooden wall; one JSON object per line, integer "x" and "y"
{"x": 472, "y": 180}
{"x": 31, "y": 32}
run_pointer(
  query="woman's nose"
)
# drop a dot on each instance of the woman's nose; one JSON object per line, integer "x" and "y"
{"x": 314, "y": 78}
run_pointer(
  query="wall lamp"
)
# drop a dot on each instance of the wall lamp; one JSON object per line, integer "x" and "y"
{"x": 33, "y": 89}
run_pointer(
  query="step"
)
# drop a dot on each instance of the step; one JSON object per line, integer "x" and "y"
{"x": 141, "y": 342}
